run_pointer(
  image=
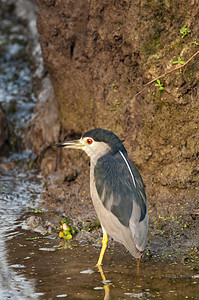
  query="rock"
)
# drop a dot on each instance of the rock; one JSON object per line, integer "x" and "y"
{"x": 44, "y": 127}
{"x": 43, "y": 224}
{"x": 34, "y": 221}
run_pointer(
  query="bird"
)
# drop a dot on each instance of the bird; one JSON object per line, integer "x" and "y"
{"x": 117, "y": 191}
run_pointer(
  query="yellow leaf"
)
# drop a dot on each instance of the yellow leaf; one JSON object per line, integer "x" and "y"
{"x": 61, "y": 234}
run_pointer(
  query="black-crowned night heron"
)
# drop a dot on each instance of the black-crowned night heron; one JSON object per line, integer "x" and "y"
{"x": 117, "y": 190}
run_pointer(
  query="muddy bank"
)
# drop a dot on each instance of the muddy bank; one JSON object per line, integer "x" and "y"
{"x": 99, "y": 56}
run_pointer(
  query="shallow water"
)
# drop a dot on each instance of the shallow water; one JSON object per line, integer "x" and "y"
{"x": 58, "y": 271}
{"x": 36, "y": 266}
{"x": 19, "y": 192}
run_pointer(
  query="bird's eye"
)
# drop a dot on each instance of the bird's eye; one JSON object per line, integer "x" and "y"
{"x": 89, "y": 141}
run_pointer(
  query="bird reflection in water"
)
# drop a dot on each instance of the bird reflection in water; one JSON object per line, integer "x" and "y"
{"x": 105, "y": 282}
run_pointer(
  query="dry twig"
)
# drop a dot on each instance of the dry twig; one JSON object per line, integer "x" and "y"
{"x": 167, "y": 73}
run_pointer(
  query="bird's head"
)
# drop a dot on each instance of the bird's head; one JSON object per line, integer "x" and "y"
{"x": 95, "y": 143}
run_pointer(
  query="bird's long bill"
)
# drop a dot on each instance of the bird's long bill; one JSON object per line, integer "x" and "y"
{"x": 76, "y": 144}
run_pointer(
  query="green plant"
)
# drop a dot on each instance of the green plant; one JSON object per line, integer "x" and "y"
{"x": 185, "y": 31}
{"x": 167, "y": 73}
{"x": 116, "y": 104}
{"x": 66, "y": 231}
{"x": 179, "y": 61}
{"x": 194, "y": 43}
{"x": 160, "y": 85}
{"x": 115, "y": 87}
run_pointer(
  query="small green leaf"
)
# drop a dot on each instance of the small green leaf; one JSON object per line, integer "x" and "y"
{"x": 68, "y": 237}
{"x": 73, "y": 231}
{"x": 179, "y": 61}
{"x": 194, "y": 43}
{"x": 185, "y": 31}
{"x": 67, "y": 232}
{"x": 159, "y": 84}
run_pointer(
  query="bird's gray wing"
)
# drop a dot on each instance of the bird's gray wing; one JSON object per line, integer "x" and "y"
{"x": 120, "y": 187}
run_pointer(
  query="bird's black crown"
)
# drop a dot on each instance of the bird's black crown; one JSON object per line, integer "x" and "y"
{"x": 108, "y": 137}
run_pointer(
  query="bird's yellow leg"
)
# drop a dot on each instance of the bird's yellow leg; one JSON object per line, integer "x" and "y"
{"x": 104, "y": 246}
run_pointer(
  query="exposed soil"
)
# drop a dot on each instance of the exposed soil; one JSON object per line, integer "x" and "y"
{"x": 99, "y": 55}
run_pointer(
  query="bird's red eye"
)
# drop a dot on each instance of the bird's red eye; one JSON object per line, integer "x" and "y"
{"x": 89, "y": 141}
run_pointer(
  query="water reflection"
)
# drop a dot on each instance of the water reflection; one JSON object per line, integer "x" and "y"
{"x": 12, "y": 284}
{"x": 105, "y": 282}
{"x": 107, "y": 285}
{"x": 18, "y": 188}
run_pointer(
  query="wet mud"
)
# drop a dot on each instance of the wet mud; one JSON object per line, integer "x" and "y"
{"x": 56, "y": 268}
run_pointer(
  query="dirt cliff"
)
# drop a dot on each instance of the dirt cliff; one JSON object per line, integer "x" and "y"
{"x": 99, "y": 54}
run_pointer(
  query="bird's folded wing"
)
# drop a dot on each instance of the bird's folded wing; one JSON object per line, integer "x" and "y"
{"x": 120, "y": 187}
